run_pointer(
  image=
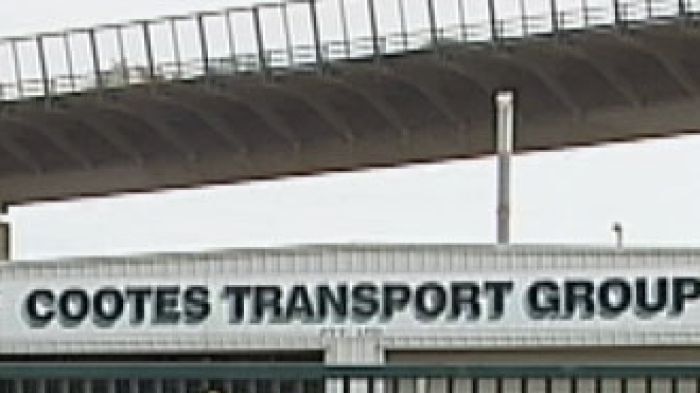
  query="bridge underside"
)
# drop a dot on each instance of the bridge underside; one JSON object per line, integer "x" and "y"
{"x": 578, "y": 89}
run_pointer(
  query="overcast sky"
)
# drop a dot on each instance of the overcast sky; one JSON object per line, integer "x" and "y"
{"x": 573, "y": 196}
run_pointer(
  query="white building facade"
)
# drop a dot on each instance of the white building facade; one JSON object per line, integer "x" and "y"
{"x": 363, "y": 304}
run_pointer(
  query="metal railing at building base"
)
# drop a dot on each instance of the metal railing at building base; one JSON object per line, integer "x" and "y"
{"x": 314, "y": 378}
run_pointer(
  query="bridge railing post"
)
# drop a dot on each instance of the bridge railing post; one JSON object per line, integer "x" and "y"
{"x": 374, "y": 30}
{"x": 316, "y": 31}
{"x": 649, "y": 8}
{"x": 260, "y": 40}
{"x": 231, "y": 39}
{"x": 123, "y": 62}
{"x": 203, "y": 44}
{"x": 68, "y": 59}
{"x": 344, "y": 25}
{"x": 43, "y": 68}
{"x": 585, "y": 13}
{"x": 95, "y": 55}
{"x": 554, "y": 8}
{"x": 433, "y": 24}
{"x": 462, "y": 17}
{"x": 492, "y": 20}
{"x": 617, "y": 12}
{"x": 287, "y": 34}
{"x": 524, "y": 19}
{"x": 17, "y": 63}
{"x": 175, "y": 40}
{"x": 402, "y": 19}
{"x": 148, "y": 50}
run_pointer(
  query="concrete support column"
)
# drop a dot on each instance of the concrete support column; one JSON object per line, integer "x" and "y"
{"x": 5, "y": 233}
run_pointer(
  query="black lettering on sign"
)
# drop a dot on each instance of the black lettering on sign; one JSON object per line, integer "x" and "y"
{"x": 73, "y": 306}
{"x": 579, "y": 298}
{"x": 684, "y": 289}
{"x": 465, "y": 300}
{"x": 328, "y": 299}
{"x": 108, "y": 306}
{"x": 395, "y": 298}
{"x": 299, "y": 305}
{"x": 614, "y": 296}
{"x": 236, "y": 295}
{"x": 166, "y": 305}
{"x": 196, "y": 304}
{"x": 364, "y": 301}
{"x": 431, "y": 301}
{"x": 267, "y": 300}
{"x": 650, "y": 300}
{"x": 543, "y": 301}
{"x": 137, "y": 298}
{"x": 497, "y": 292}
{"x": 40, "y": 307}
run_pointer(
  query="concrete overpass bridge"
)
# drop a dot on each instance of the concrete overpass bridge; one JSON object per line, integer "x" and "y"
{"x": 309, "y": 87}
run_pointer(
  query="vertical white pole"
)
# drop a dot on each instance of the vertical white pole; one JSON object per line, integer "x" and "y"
{"x": 504, "y": 149}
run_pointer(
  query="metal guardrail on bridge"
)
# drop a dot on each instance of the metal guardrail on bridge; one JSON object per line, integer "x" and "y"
{"x": 300, "y": 35}
{"x": 302, "y": 378}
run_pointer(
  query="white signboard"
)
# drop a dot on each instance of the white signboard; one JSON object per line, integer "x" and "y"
{"x": 306, "y": 298}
